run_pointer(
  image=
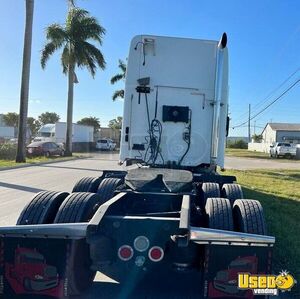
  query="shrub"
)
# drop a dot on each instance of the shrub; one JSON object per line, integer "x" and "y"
{"x": 237, "y": 144}
{"x": 8, "y": 151}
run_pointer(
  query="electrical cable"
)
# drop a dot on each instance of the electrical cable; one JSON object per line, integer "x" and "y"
{"x": 156, "y": 102}
{"x": 264, "y": 100}
{"x": 270, "y": 104}
{"x": 154, "y": 138}
{"x": 143, "y": 49}
{"x": 189, "y": 131}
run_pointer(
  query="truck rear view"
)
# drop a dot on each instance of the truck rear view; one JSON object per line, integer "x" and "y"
{"x": 172, "y": 89}
{"x": 172, "y": 219}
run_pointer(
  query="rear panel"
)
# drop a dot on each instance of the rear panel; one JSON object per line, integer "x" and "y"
{"x": 182, "y": 78}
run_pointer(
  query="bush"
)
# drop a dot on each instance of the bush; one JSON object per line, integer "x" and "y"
{"x": 237, "y": 144}
{"x": 8, "y": 151}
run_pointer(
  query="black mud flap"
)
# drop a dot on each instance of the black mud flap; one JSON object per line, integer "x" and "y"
{"x": 36, "y": 266}
{"x": 223, "y": 263}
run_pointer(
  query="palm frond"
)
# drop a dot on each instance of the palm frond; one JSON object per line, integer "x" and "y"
{"x": 90, "y": 65}
{"x": 118, "y": 94}
{"x": 74, "y": 16}
{"x": 90, "y": 29}
{"x": 56, "y": 33}
{"x": 116, "y": 78}
{"x": 95, "y": 54}
{"x": 48, "y": 50}
{"x": 122, "y": 66}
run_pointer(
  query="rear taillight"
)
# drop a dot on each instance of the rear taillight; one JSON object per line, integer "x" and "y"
{"x": 156, "y": 254}
{"x": 125, "y": 252}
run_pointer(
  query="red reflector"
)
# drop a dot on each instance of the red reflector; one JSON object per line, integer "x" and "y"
{"x": 156, "y": 254}
{"x": 125, "y": 252}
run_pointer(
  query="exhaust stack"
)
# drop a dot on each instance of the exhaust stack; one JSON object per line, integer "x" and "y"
{"x": 217, "y": 100}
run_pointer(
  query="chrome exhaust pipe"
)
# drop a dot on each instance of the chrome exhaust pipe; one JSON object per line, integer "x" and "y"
{"x": 217, "y": 100}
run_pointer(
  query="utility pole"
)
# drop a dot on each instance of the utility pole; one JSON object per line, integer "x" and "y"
{"x": 254, "y": 127}
{"x": 249, "y": 133}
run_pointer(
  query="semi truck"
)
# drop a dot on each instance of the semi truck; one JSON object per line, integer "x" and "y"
{"x": 170, "y": 216}
{"x": 57, "y": 133}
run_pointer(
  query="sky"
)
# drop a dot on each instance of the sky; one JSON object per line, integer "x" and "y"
{"x": 263, "y": 42}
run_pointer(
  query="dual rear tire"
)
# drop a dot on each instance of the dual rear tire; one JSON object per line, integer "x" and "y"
{"x": 42, "y": 209}
{"x": 246, "y": 215}
{"x": 48, "y": 207}
{"x": 230, "y": 191}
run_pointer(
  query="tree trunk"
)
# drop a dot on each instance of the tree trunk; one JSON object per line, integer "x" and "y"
{"x": 21, "y": 151}
{"x": 69, "y": 132}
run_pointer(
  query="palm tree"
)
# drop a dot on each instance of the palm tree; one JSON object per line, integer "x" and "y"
{"x": 73, "y": 38}
{"x": 118, "y": 77}
{"x": 21, "y": 153}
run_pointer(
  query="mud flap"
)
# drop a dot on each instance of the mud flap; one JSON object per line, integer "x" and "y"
{"x": 223, "y": 263}
{"x": 36, "y": 266}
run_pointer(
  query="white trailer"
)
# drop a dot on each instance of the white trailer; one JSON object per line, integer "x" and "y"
{"x": 57, "y": 133}
{"x": 7, "y": 132}
{"x": 176, "y": 102}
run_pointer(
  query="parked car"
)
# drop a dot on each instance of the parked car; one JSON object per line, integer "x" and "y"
{"x": 282, "y": 149}
{"x": 44, "y": 149}
{"x": 105, "y": 144}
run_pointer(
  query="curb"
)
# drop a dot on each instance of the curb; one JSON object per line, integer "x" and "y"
{"x": 39, "y": 163}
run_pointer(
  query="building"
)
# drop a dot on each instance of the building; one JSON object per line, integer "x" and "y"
{"x": 6, "y": 132}
{"x": 281, "y": 132}
{"x": 276, "y": 132}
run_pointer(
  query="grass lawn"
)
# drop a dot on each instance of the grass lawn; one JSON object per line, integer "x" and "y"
{"x": 237, "y": 152}
{"x": 279, "y": 193}
{"x": 244, "y": 153}
{"x": 34, "y": 160}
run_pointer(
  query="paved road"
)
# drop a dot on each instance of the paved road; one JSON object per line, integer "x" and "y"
{"x": 17, "y": 186}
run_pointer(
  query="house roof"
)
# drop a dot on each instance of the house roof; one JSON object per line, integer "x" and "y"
{"x": 284, "y": 127}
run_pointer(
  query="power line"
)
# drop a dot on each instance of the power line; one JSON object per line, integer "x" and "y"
{"x": 270, "y": 104}
{"x": 271, "y": 93}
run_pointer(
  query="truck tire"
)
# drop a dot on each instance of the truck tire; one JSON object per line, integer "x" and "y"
{"x": 79, "y": 207}
{"x": 42, "y": 208}
{"x": 232, "y": 192}
{"x": 219, "y": 213}
{"x": 107, "y": 188}
{"x": 248, "y": 217}
{"x": 87, "y": 184}
{"x": 209, "y": 190}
